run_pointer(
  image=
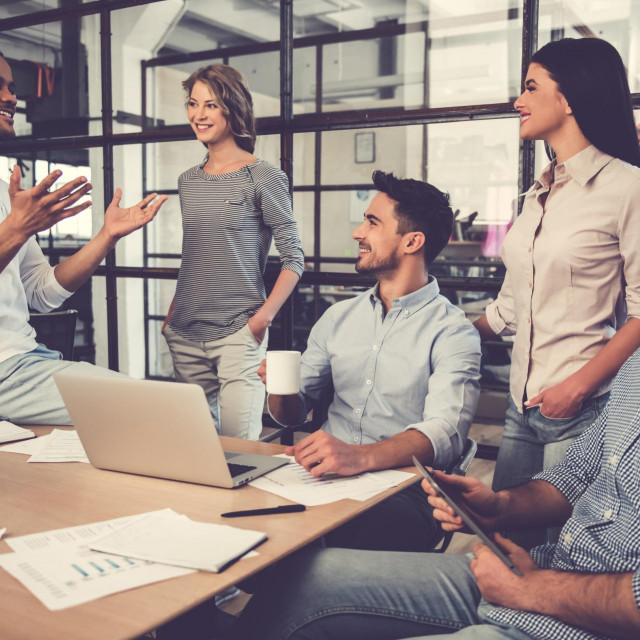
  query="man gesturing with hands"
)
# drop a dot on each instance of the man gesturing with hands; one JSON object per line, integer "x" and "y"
{"x": 28, "y": 394}
{"x": 584, "y": 587}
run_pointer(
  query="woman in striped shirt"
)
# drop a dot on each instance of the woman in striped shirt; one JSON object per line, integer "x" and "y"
{"x": 233, "y": 205}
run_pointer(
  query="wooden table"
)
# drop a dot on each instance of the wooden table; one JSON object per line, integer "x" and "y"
{"x": 39, "y": 497}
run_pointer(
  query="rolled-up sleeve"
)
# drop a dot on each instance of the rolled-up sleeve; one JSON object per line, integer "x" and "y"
{"x": 43, "y": 292}
{"x": 629, "y": 239}
{"x": 275, "y": 202}
{"x": 501, "y": 314}
{"x": 452, "y": 394}
{"x": 581, "y": 464}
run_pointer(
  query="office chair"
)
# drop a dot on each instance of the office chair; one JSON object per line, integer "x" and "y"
{"x": 56, "y": 330}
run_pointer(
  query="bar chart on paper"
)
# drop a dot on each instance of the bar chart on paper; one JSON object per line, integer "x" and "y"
{"x": 61, "y": 571}
{"x": 71, "y": 577}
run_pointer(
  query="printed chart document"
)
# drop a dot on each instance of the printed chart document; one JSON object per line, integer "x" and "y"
{"x": 63, "y": 446}
{"x": 10, "y": 432}
{"x": 174, "y": 539}
{"x": 295, "y": 483}
{"x": 27, "y": 447}
{"x": 61, "y": 571}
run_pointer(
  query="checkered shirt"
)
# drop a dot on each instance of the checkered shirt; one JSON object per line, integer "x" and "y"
{"x": 600, "y": 476}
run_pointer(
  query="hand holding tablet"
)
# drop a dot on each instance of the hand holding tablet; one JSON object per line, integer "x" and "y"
{"x": 467, "y": 518}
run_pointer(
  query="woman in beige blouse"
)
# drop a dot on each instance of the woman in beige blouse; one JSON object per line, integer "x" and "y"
{"x": 571, "y": 294}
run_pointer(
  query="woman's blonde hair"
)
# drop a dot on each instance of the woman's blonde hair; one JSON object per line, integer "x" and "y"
{"x": 232, "y": 95}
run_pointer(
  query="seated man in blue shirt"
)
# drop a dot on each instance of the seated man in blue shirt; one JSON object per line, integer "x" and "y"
{"x": 585, "y": 587}
{"x": 403, "y": 362}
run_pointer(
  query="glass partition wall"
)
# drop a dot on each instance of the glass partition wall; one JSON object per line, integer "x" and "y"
{"x": 341, "y": 87}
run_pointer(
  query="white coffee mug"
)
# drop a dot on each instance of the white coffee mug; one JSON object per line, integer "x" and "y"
{"x": 283, "y": 372}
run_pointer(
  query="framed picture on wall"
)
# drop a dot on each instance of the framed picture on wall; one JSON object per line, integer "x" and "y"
{"x": 365, "y": 147}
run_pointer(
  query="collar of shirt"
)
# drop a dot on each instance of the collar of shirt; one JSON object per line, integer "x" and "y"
{"x": 582, "y": 167}
{"x": 413, "y": 301}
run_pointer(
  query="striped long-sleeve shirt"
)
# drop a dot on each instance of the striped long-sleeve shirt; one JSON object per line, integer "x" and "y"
{"x": 228, "y": 222}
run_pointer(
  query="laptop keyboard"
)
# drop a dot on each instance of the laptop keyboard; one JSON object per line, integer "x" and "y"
{"x": 239, "y": 469}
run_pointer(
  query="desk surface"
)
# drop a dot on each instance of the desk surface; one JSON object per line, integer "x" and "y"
{"x": 39, "y": 497}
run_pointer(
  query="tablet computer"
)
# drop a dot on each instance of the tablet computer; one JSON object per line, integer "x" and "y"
{"x": 466, "y": 518}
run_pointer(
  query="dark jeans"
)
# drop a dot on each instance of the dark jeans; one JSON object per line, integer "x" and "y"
{"x": 403, "y": 522}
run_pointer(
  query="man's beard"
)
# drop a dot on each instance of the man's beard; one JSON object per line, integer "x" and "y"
{"x": 380, "y": 266}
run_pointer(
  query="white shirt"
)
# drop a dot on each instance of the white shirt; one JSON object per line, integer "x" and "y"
{"x": 27, "y": 281}
{"x": 573, "y": 269}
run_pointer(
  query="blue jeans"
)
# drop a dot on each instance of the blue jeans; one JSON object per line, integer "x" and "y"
{"x": 333, "y": 594}
{"x": 531, "y": 442}
{"x": 28, "y": 393}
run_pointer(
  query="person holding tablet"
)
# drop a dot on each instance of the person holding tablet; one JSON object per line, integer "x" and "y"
{"x": 585, "y": 587}
{"x": 233, "y": 204}
{"x": 571, "y": 294}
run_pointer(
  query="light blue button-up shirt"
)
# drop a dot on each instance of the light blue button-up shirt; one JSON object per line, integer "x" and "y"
{"x": 417, "y": 367}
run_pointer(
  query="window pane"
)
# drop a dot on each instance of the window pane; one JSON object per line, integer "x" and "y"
{"x": 13, "y": 8}
{"x": 202, "y": 27}
{"x": 56, "y": 69}
{"x": 472, "y": 57}
{"x": 617, "y": 21}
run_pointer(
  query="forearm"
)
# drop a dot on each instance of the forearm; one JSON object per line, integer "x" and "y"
{"x": 11, "y": 239}
{"x": 484, "y": 328}
{"x": 396, "y": 451}
{"x": 605, "y": 365}
{"x": 602, "y": 603}
{"x": 282, "y": 289}
{"x": 533, "y": 504}
{"x": 73, "y": 271}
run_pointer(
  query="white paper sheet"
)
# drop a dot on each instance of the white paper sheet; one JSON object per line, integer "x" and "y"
{"x": 296, "y": 484}
{"x": 63, "y": 446}
{"x": 61, "y": 571}
{"x": 173, "y": 539}
{"x": 73, "y": 536}
{"x": 10, "y": 432}
{"x": 73, "y": 575}
{"x": 2, "y": 532}
{"x": 27, "y": 447}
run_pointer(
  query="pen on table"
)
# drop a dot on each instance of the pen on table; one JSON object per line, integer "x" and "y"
{"x": 285, "y": 508}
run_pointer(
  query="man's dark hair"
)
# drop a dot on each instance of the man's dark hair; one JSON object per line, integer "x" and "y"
{"x": 419, "y": 207}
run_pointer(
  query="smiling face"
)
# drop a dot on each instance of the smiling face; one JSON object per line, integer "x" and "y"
{"x": 7, "y": 100}
{"x": 206, "y": 117}
{"x": 378, "y": 238}
{"x": 544, "y": 111}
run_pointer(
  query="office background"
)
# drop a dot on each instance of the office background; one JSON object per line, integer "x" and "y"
{"x": 423, "y": 88}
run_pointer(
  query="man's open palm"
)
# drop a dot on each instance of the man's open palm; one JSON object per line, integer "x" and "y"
{"x": 119, "y": 221}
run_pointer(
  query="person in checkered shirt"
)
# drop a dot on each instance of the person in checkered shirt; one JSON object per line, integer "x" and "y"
{"x": 585, "y": 587}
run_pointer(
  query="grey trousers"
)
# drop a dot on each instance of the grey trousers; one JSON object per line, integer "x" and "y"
{"x": 226, "y": 369}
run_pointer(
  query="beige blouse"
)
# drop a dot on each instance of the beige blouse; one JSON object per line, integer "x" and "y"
{"x": 573, "y": 270}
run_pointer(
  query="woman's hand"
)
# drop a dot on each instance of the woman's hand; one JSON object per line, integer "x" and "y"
{"x": 562, "y": 401}
{"x": 258, "y": 327}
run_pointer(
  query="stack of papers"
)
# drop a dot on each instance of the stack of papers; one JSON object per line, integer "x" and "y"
{"x": 59, "y": 569}
{"x": 62, "y": 570}
{"x": 295, "y": 483}
{"x": 174, "y": 539}
{"x": 10, "y": 432}
{"x": 57, "y": 446}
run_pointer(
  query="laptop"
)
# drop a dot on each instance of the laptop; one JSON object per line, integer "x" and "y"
{"x": 150, "y": 428}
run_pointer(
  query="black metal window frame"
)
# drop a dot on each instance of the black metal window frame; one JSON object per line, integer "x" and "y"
{"x": 286, "y": 124}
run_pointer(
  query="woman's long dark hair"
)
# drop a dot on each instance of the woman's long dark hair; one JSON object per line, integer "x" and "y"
{"x": 592, "y": 77}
